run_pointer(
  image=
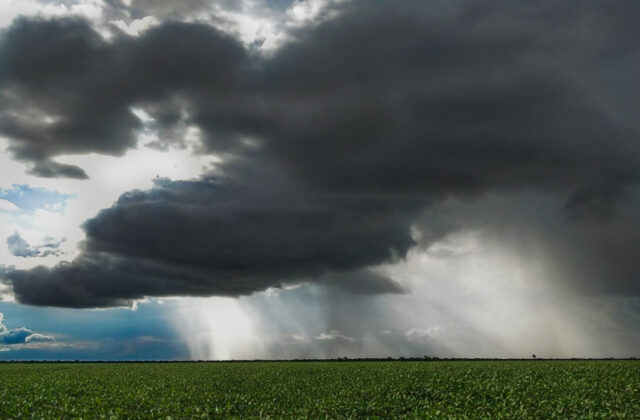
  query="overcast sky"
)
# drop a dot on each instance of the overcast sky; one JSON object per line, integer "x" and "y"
{"x": 215, "y": 179}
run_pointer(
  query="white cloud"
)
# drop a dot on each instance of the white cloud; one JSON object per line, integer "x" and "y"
{"x": 311, "y": 11}
{"x": 334, "y": 335}
{"x": 22, "y": 335}
{"x": 10, "y": 9}
{"x": 6, "y": 205}
{"x": 136, "y": 27}
{"x": 37, "y": 337}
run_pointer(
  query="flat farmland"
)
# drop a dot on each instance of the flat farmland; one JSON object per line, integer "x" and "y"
{"x": 430, "y": 389}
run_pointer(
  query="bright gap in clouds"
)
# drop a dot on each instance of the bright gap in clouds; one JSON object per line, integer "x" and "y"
{"x": 109, "y": 177}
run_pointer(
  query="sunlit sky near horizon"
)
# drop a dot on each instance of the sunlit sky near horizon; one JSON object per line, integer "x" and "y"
{"x": 273, "y": 179}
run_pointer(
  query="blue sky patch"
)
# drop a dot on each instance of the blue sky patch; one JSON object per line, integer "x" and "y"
{"x": 31, "y": 199}
{"x": 89, "y": 334}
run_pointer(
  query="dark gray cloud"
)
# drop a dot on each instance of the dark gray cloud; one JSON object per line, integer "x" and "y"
{"x": 484, "y": 96}
{"x": 365, "y": 120}
{"x": 22, "y": 335}
{"x": 48, "y": 68}
{"x": 435, "y": 99}
{"x": 213, "y": 237}
{"x": 19, "y": 247}
{"x": 66, "y": 90}
{"x": 362, "y": 282}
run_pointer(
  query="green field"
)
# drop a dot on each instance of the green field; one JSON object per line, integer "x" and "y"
{"x": 501, "y": 389}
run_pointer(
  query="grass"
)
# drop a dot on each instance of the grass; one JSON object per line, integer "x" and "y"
{"x": 491, "y": 389}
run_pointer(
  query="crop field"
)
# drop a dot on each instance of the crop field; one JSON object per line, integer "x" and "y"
{"x": 444, "y": 389}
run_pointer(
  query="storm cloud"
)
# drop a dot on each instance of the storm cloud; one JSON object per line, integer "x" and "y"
{"x": 507, "y": 95}
{"x": 212, "y": 237}
{"x": 66, "y": 90}
{"x": 338, "y": 148}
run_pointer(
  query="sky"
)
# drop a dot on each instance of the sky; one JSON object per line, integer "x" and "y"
{"x": 275, "y": 179}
